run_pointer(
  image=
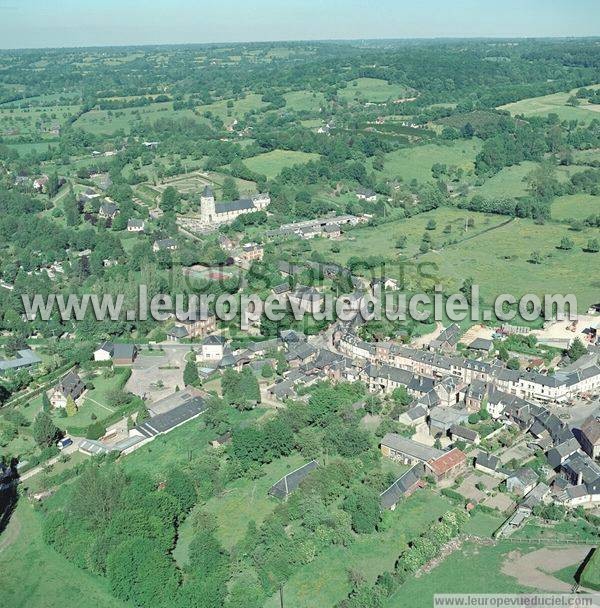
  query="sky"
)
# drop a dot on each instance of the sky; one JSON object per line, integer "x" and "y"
{"x": 67, "y": 23}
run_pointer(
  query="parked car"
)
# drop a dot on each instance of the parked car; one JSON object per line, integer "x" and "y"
{"x": 65, "y": 442}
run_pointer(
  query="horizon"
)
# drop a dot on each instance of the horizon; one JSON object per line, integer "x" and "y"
{"x": 38, "y": 24}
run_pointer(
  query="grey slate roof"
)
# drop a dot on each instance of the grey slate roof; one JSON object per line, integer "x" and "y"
{"x": 167, "y": 421}
{"x": 240, "y": 205}
{"x": 25, "y": 358}
{"x": 401, "y": 486}
{"x": 286, "y": 485}
{"x": 410, "y": 448}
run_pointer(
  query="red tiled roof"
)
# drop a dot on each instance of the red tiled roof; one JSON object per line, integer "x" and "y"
{"x": 448, "y": 461}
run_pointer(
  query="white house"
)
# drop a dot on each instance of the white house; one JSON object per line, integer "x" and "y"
{"x": 213, "y": 348}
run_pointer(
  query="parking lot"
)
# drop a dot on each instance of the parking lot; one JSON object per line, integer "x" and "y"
{"x": 156, "y": 374}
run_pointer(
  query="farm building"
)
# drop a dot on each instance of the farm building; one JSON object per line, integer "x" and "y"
{"x": 286, "y": 485}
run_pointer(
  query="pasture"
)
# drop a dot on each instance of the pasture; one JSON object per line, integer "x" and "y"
{"x": 270, "y": 164}
{"x": 304, "y": 101}
{"x": 556, "y": 103}
{"x": 381, "y": 240}
{"x": 373, "y": 90}
{"x": 107, "y": 122}
{"x": 499, "y": 262}
{"x": 233, "y": 108}
{"x": 575, "y": 206}
{"x": 416, "y": 162}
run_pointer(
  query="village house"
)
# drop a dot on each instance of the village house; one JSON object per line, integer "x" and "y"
{"x": 461, "y": 433}
{"x": 448, "y": 340}
{"x": 70, "y": 385}
{"x": 332, "y": 231}
{"x": 164, "y": 245}
{"x": 108, "y": 210}
{"x": 590, "y": 436}
{"x": 490, "y": 464}
{"x": 213, "y": 348}
{"x": 522, "y": 481}
{"x": 135, "y": 225}
{"x": 25, "y": 359}
{"x": 40, "y": 183}
{"x": 119, "y": 354}
{"x": 366, "y": 194}
{"x": 448, "y": 465}
{"x": 251, "y": 252}
{"x": 403, "y": 487}
{"x": 407, "y": 451}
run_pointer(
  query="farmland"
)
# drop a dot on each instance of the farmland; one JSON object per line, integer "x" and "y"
{"x": 555, "y": 103}
{"x": 575, "y": 206}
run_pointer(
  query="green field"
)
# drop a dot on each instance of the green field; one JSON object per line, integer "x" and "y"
{"x": 34, "y": 120}
{"x": 590, "y": 577}
{"x": 416, "y": 162}
{"x": 304, "y": 101}
{"x": 472, "y": 569}
{"x": 271, "y": 163}
{"x": 40, "y": 577}
{"x": 248, "y": 103}
{"x": 373, "y": 90}
{"x": 324, "y": 582}
{"x": 381, "y": 240}
{"x": 498, "y": 262}
{"x": 242, "y": 501}
{"x": 509, "y": 182}
{"x": 106, "y": 122}
{"x": 554, "y": 104}
{"x": 575, "y": 206}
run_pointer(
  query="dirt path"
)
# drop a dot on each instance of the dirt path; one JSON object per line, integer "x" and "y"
{"x": 427, "y": 338}
{"x": 531, "y": 569}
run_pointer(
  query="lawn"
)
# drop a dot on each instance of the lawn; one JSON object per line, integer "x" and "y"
{"x": 373, "y": 90}
{"x": 38, "y": 577}
{"x": 575, "y": 206}
{"x": 416, "y": 162}
{"x": 270, "y": 164}
{"x": 498, "y": 262}
{"x": 242, "y": 501}
{"x": 483, "y": 524}
{"x": 324, "y": 582}
{"x": 555, "y": 103}
{"x": 183, "y": 443}
{"x": 472, "y": 569}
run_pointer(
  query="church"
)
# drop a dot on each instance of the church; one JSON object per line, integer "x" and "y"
{"x": 215, "y": 214}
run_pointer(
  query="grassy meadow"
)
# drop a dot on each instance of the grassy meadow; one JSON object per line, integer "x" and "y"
{"x": 270, "y": 164}
{"x": 373, "y": 90}
{"x": 416, "y": 162}
{"x": 556, "y": 103}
